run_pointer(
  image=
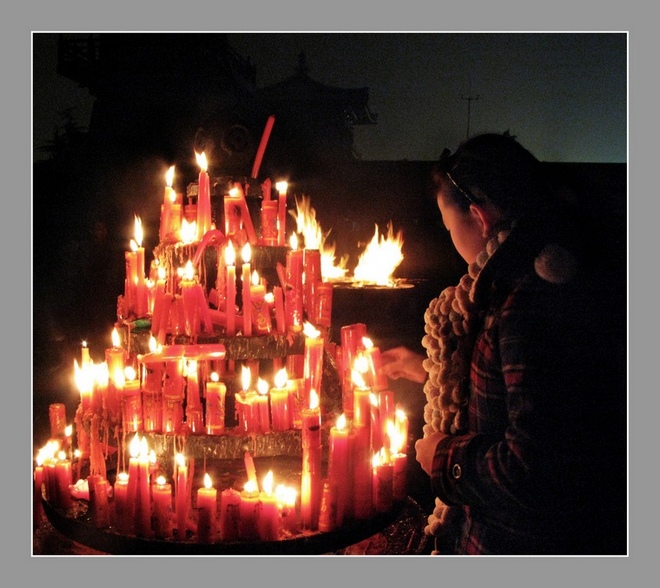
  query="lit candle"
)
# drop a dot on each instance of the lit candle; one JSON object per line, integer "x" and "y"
{"x": 312, "y": 265}
{"x": 376, "y": 427}
{"x": 362, "y": 454}
{"x": 216, "y": 392}
{"x": 351, "y": 340}
{"x": 260, "y": 310}
{"x": 152, "y": 393}
{"x": 57, "y": 418}
{"x": 232, "y": 209}
{"x": 166, "y": 208}
{"x": 115, "y": 358}
{"x": 399, "y": 460}
{"x": 279, "y": 402}
{"x": 296, "y": 388}
{"x": 162, "y": 498}
{"x": 382, "y": 484}
{"x": 181, "y": 495}
{"x": 340, "y": 466}
{"x": 248, "y": 416}
{"x": 99, "y": 507}
{"x": 269, "y": 516}
{"x": 143, "y": 505}
{"x": 123, "y": 510}
{"x": 323, "y": 304}
{"x": 37, "y": 507}
{"x": 203, "y": 197}
{"x": 84, "y": 378}
{"x": 207, "y": 505}
{"x": 280, "y": 319}
{"x": 190, "y": 301}
{"x": 131, "y": 401}
{"x": 246, "y": 253}
{"x": 261, "y": 403}
{"x": 310, "y": 493}
{"x": 313, "y": 366}
{"x": 230, "y": 283}
{"x": 376, "y": 378}
{"x": 361, "y": 397}
{"x": 230, "y": 501}
{"x": 63, "y": 475}
{"x": 141, "y": 294}
{"x": 287, "y": 497}
{"x": 269, "y": 222}
{"x": 281, "y": 212}
{"x": 248, "y": 522}
{"x": 293, "y": 296}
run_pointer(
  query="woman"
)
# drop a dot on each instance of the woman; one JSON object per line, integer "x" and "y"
{"x": 525, "y": 434}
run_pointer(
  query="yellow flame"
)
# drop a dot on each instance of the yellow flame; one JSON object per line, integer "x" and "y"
{"x": 161, "y": 480}
{"x": 309, "y": 330}
{"x": 134, "y": 446}
{"x": 201, "y": 160}
{"x": 267, "y": 483}
{"x": 251, "y": 486}
{"x": 280, "y": 378}
{"x": 246, "y": 377}
{"x": 115, "y": 337}
{"x": 380, "y": 258}
{"x": 341, "y": 422}
{"x": 188, "y": 231}
{"x": 262, "y": 386}
{"x": 230, "y": 254}
{"x": 215, "y": 377}
{"x": 313, "y": 399}
{"x": 208, "y": 483}
{"x": 246, "y": 253}
{"x": 281, "y": 187}
{"x": 130, "y": 373}
{"x": 169, "y": 176}
{"x": 139, "y": 234}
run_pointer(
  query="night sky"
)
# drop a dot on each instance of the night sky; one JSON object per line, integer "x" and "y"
{"x": 564, "y": 95}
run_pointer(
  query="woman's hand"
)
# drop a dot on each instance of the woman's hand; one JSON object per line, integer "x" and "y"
{"x": 425, "y": 450}
{"x": 401, "y": 362}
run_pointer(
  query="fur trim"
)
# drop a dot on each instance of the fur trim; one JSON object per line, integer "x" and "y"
{"x": 555, "y": 264}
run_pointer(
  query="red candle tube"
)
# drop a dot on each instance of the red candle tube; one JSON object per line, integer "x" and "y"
{"x": 293, "y": 309}
{"x": 279, "y": 403}
{"x": 340, "y": 466}
{"x": 165, "y": 318}
{"x": 310, "y": 493}
{"x": 172, "y": 415}
{"x": 377, "y": 439}
{"x": 166, "y": 208}
{"x": 351, "y": 341}
{"x": 362, "y": 473}
{"x": 262, "y": 146}
{"x": 328, "y": 512}
{"x": 247, "y": 411}
{"x": 313, "y": 366}
{"x": 143, "y": 506}
{"x": 261, "y": 405}
{"x": 123, "y": 510}
{"x": 193, "y": 397}
{"x": 63, "y": 477}
{"x": 399, "y": 476}
{"x": 287, "y": 497}
{"x": 37, "y": 506}
{"x": 131, "y": 399}
{"x": 269, "y": 222}
{"x": 152, "y": 398}
{"x": 280, "y": 319}
{"x": 269, "y": 511}
{"x": 296, "y": 388}
{"x": 176, "y": 218}
{"x": 230, "y": 501}
{"x": 57, "y": 418}
{"x": 232, "y": 210}
{"x": 216, "y": 392}
{"x": 387, "y": 410}
{"x": 383, "y": 500}
{"x": 245, "y": 290}
{"x": 207, "y": 506}
{"x": 203, "y": 197}
{"x": 312, "y": 264}
{"x": 99, "y": 508}
{"x": 50, "y": 481}
{"x": 260, "y": 311}
{"x": 362, "y": 406}
{"x": 249, "y": 507}
{"x": 181, "y": 496}
{"x": 323, "y": 304}
{"x": 281, "y": 213}
{"x": 230, "y": 296}
{"x": 294, "y": 266}
{"x": 161, "y": 493}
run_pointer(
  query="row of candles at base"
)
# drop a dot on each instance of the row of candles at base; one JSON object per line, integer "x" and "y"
{"x": 142, "y": 502}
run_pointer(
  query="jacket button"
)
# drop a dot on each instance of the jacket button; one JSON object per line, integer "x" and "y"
{"x": 456, "y": 471}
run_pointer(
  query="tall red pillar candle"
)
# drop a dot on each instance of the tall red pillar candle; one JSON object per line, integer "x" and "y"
{"x": 351, "y": 341}
{"x": 207, "y": 507}
{"x": 311, "y": 463}
{"x": 115, "y": 358}
{"x": 328, "y": 512}
{"x": 323, "y": 304}
{"x": 57, "y": 419}
{"x": 246, "y": 253}
{"x": 99, "y": 506}
{"x": 84, "y": 378}
{"x": 181, "y": 496}
{"x": 230, "y": 501}
{"x": 376, "y": 426}
{"x": 340, "y": 467}
{"x": 280, "y": 319}
{"x": 362, "y": 473}
{"x": 63, "y": 476}
{"x": 281, "y": 213}
{"x": 162, "y": 508}
{"x": 269, "y": 515}
{"x": 203, "y": 197}
{"x": 383, "y": 500}
{"x": 260, "y": 310}
{"x": 399, "y": 476}
{"x": 312, "y": 265}
{"x": 249, "y": 506}
{"x": 293, "y": 295}
{"x": 37, "y": 506}
{"x": 173, "y": 396}
{"x": 216, "y": 392}
{"x": 296, "y": 388}
{"x": 141, "y": 294}
{"x": 123, "y": 511}
{"x": 131, "y": 402}
{"x": 166, "y": 207}
{"x": 269, "y": 222}
{"x": 313, "y": 366}
{"x": 230, "y": 283}
{"x": 376, "y": 378}
{"x": 387, "y": 410}
{"x": 143, "y": 505}
{"x": 287, "y": 497}
{"x": 261, "y": 404}
{"x": 279, "y": 403}
{"x": 361, "y": 401}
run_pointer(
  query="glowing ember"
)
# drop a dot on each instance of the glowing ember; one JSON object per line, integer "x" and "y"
{"x": 380, "y": 258}
{"x": 315, "y": 238}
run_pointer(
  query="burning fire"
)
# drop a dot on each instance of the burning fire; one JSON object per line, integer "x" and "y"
{"x": 380, "y": 258}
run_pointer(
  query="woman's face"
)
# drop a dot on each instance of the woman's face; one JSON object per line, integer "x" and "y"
{"x": 465, "y": 228}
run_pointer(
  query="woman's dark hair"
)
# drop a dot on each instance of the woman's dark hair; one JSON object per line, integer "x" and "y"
{"x": 495, "y": 168}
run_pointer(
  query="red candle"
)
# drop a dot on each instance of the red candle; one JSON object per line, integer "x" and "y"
{"x": 340, "y": 467}
{"x": 323, "y": 304}
{"x": 260, "y": 309}
{"x": 269, "y": 515}
{"x": 63, "y": 476}
{"x": 131, "y": 402}
{"x": 313, "y": 366}
{"x": 230, "y": 501}
{"x": 312, "y": 264}
{"x": 351, "y": 341}
{"x": 375, "y": 377}
{"x": 281, "y": 212}
{"x": 269, "y": 222}
{"x": 287, "y": 497}
{"x": 362, "y": 473}
{"x": 261, "y": 403}
{"x": 181, "y": 495}
{"x": 141, "y": 294}
{"x": 248, "y": 523}
{"x": 246, "y": 253}
{"x": 37, "y": 507}
{"x": 230, "y": 283}
{"x": 203, "y": 197}
{"x": 361, "y": 401}
{"x": 382, "y": 484}
{"x": 57, "y": 418}
{"x": 99, "y": 508}
{"x": 387, "y": 410}
{"x": 399, "y": 476}
{"x": 279, "y": 402}
{"x": 123, "y": 511}
{"x": 216, "y": 392}
{"x": 143, "y": 504}
{"x": 310, "y": 493}
{"x": 162, "y": 499}
{"x": 232, "y": 209}
{"x": 376, "y": 428}
{"x": 207, "y": 501}
{"x": 262, "y": 146}
{"x": 166, "y": 207}
{"x": 280, "y": 319}
{"x": 296, "y": 388}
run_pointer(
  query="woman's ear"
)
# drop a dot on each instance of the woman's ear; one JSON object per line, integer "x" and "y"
{"x": 486, "y": 216}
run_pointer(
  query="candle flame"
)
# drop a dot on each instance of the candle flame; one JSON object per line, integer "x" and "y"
{"x": 374, "y": 400}
{"x": 380, "y": 259}
{"x": 129, "y": 373}
{"x": 188, "y": 231}
{"x": 255, "y": 278}
{"x": 189, "y": 271}
{"x": 281, "y": 187}
{"x": 139, "y": 235}
{"x": 361, "y": 363}
{"x": 68, "y": 430}
{"x": 286, "y": 495}
{"x": 83, "y": 377}
{"x": 341, "y": 422}
{"x": 201, "y": 161}
{"x": 215, "y": 377}
{"x": 262, "y": 387}
{"x": 169, "y": 176}
{"x": 309, "y": 330}
{"x": 246, "y": 252}
{"x": 280, "y": 378}
{"x": 251, "y": 486}
{"x": 267, "y": 483}
{"x": 180, "y": 460}
{"x": 208, "y": 483}
{"x": 153, "y": 344}
{"x": 246, "y": 377}
{"x": 61, "y": 455}
{"x": 161, "y": 480}
{"x": 144, "y": 447}
{"x": 230, "y": 253}
{"x": 313, "y": 399}
{"x": 134, "y": 446}
{"x": 293, "y": 241}
{"x": 357, "y": 379}
{"x": 376, "y": 461}
{"x": 115, "y": 338}
{"x": 122, "y": 477}
{"x": 367, "y": 343}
